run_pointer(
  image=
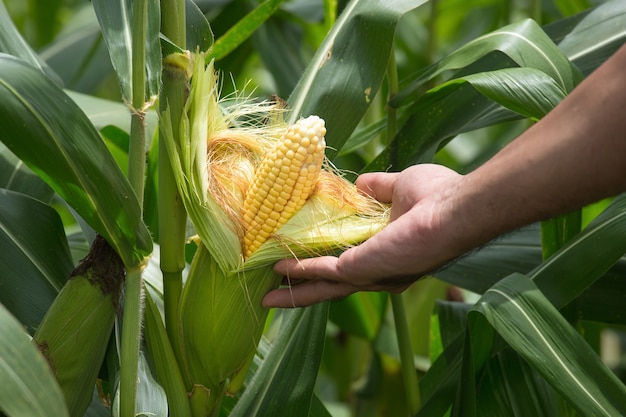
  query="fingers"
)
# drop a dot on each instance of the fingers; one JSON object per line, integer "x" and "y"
{"x": 379, "y": 185}
{"x": 306, "y": 294}
{"x": 321, "y": 267}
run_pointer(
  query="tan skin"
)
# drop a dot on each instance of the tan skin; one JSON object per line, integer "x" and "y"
{"x": 574, "y": 156}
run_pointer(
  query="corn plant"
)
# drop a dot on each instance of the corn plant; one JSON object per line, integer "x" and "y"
{"x": 151, "y": 176}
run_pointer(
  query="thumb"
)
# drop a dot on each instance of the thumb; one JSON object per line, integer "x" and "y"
{"x": 379, "y": 185}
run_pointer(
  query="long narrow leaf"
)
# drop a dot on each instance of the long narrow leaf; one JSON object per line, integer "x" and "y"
{"x": 11, "y": 42}
{"x": 28, "y": 386}
{"x": 165, "y": 362}
{"x": 199, "y": 34}
{"x": 597, "y": 36}
{"x": 517, "y": 252}
{"x": 16, "y": 176}
{"x": 526, "y": 91}
{"x": 115, "y": 19}
{"x": 242, "y": 30}
{"x": 525, "y": 43}
{"x": 78, "y": 53}
{"x": 35, "y": 259}
{"x": 283, "y": 384}
{"x": 531, "y": 325}
{"x": 347, "y": 70}
{"x": 46, "y": 130}
{"x": 586, "y": 258}
{"x": 510, "y": 387}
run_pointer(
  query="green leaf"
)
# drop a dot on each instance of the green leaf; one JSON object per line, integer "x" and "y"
{"x": 78, "y": 53}
{"x": 283, "y": 384}
{"x": 35, "y": 261}
{"x": 530, "y": 324}
{"x": 525, "y": 43}
{"x": 435, "y": 118}
{"x": 103, "y": 113}
{"x": 457, "y": 107}
{"x": 360, "y": 314}
{"x": 46, "y": 130}
{"x": 526, "y": 91}
{"x": 242, "y": 30}
{"x": 165, "y": 363}
{"x": 510, "y": 387}
{"x": 28, "y": 386}
{"x": 199, "y": 34}
{"x": 597, "y": 35}
{"x": 278, "y": 43}
{"x": 16, "y": 176}
{"x": 557, "y": 231}
{"x": 346, "y": 72}
{"x": 569, "y": 7}
{"x": 603, "y": 301}
{"x": 116, "y": 23}
{"x": 585, "y": 258}
{"x": 519, "y": 251}
{"x": 151, "y": 399}
{"x": 11, "y": 42}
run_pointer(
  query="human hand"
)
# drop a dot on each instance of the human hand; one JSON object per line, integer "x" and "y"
{"x": 412, "y": 244}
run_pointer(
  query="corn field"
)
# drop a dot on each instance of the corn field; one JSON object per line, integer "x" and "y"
{"x": 157, "y": 158}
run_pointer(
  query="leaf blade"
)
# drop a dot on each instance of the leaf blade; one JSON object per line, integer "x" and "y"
{"x": 28, "y": 386}
{"x": 44, "y": 128}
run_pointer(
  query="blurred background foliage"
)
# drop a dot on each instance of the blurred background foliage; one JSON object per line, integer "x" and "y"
{"x": 360, "y": 373}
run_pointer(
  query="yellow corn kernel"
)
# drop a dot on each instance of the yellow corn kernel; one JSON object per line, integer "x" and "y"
{"x": 284, "y": 181}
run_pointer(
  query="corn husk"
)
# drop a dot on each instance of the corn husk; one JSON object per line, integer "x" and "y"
{"x": 74, "y": 334}
{"x": 221, "y": 314}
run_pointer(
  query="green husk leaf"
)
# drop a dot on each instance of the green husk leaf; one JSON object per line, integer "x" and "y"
{"x": 222, "y": 319}
{"x": 74, "y": 333}
{"x": 319, "y": 227}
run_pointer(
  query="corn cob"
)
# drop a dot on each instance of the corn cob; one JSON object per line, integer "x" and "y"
{"x": 284, "y": 181}
{"x": 74, "y": 334}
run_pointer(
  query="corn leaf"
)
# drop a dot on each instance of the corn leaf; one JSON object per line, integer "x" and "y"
{"x": 335, "y": 85}
{"x": 526, "y": 91}
{"x": 585, "y": 258}
{"x": 464, "y": 104}
{"x": 530, "y": 324}
{"x": 519, "y": 251}
{"x": 151, "y": 399}
{"x": 435, "y": 119}
{"x": 164, "y": 361}
{"x": 603, "y": 301}
{"x": 580, "y": 263}
{"x": 78, "y": 53}
{"x": 596, "y": 35}
{"x": 35, "y": 259}
{"x": 116, "y": 21}
{"x": 242, "y": 30}
{"x": 103, "y": 113}
{"x": 28, "y": 386}
{"x": 276, "y": 41}
{"x": 11, "y": 42}
{"x": 16, "y": 176}
{"x": 469, "y": 101}
{"x": 524, "y": 43}
{"x": 508, "y": 373}
{"x": 360, "y": 314}
{"x": 46, "y": 130}
{"x": 199, "y": 34}
{"x": 283, "y": 384}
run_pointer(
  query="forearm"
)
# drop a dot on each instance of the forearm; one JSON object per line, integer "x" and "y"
{"x": 572, "y": 157}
